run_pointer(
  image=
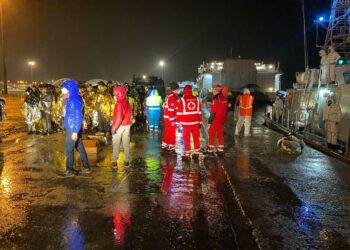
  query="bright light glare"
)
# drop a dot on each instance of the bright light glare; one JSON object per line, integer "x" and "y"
{"x": 31, "y": 63}
{"x": 321, "y": 19}
{"x": 270, "y": 66}
{"x": 144, "y": 77}
{"x": 325, "y": 92}
{"x": 161, "y": 63}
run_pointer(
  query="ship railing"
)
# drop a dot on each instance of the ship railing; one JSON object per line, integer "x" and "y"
{"x": 307, "y": 129}
{"x": 347, "y": 143}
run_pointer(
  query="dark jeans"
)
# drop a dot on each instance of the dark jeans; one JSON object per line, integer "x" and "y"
{"x": 70, "y": 146}
{"x": 47, "y": 122}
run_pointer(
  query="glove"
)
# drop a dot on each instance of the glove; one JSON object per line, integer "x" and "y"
{"x": 173, "y": 124}
{"x": 114, "y": 132}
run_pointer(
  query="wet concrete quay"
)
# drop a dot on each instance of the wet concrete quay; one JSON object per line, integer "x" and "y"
{"x": 254, "y": 197}
{"x": 156, "y": 203}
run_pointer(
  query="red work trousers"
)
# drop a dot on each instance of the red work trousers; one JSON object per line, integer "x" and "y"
{"x": 187, "y": 131}
{"x": 169, "y": 137}
{"x": 216, "y": 130}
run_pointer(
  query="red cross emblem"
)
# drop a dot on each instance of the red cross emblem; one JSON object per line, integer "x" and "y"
{"x": 191, "y": 106}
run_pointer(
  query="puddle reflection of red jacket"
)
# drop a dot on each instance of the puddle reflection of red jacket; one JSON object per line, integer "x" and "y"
{"x": 122, "y": 110}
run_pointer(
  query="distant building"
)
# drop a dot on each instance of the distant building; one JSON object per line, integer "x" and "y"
{"x": 239, "y": 73}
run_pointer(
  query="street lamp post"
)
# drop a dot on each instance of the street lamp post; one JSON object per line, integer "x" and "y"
{"x": 31, "y": 65}
{"x": 3, "y": 47}
{"x": 161, "y": 64}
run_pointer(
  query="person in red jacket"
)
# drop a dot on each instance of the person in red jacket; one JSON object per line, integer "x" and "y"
{"x": 189, "y": 116}
{"x": 170, "y": 103}
{"x": 121, "y": 125}
{"x": 217, "y": 119}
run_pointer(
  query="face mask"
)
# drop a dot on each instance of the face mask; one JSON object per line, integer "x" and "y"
{"x": 65, "y": 91}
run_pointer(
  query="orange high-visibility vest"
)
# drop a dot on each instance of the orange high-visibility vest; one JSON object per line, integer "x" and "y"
{"x": 246, "y": 105}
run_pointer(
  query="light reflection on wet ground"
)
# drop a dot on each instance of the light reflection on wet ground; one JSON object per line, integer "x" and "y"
{"x": 14, "y": 123}
{"x": 300, "y": 201}
{"x": 157, "y": 202}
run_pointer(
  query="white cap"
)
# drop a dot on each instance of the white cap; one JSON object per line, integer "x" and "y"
{"x": 246, "y": 91}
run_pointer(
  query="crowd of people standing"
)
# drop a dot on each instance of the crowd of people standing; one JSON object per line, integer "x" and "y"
{"x": 113, "y": 110}
{"x": 44, "y": 107}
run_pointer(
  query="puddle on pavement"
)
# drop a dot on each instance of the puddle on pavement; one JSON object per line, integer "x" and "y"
{"x": 310, "y": 223}
{"x": 157, "y": 202}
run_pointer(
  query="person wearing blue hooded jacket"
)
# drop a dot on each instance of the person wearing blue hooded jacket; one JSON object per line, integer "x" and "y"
{"x": 73, "y": 121}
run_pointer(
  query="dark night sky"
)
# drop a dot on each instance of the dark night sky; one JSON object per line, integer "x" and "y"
{"x": 85, "y": 39}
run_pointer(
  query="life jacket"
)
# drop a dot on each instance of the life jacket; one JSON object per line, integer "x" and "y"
{"x": 246, "y": 105}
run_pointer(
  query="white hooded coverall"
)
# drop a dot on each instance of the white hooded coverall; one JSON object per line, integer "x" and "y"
{"x": 278, "y": 108}
{"x": 332, "y": 59}
{"x": 324, "y": 67}
{"x": 331, "y": 118}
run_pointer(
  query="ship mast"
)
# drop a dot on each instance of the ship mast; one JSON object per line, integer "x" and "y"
{"x": 338, "y": 30}
{"x": 306, "y": 56}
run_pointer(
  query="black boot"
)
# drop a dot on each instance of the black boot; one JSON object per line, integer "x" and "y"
{"x": 210, "y": 154}
{"x": 195, "y": 157}
{"x": 220, "y": 154}
{"x": 172, "y": 152}
{"x": 186, "y": 158}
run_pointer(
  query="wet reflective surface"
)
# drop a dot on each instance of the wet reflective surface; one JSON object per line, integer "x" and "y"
{"x": 253, "y": 197}
{"x": 297, "y": 202}
{"x": 14, "y": 125}
{"x": 157, "y": 202}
